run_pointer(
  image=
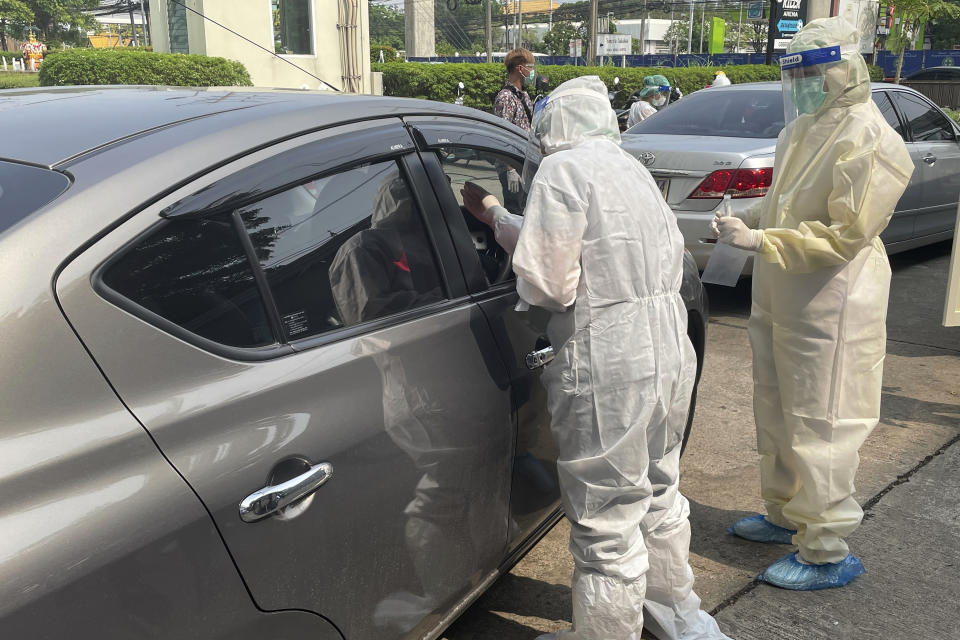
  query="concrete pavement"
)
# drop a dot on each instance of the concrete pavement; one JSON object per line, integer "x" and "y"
{"x": 903, "y": 540}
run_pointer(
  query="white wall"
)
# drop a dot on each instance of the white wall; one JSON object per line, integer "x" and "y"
{"x": 253, "y": 19}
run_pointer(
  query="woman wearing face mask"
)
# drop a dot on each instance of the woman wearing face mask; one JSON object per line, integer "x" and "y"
{"x": 653, "y": 96}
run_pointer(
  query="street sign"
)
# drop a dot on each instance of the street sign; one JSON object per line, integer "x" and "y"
{"x": 576, "y": 48}
{"x": 755, "y": 11}
{"x": 780, "y": 44}
{"x": 614, "y": 44}
{"x": 789, "y": 26}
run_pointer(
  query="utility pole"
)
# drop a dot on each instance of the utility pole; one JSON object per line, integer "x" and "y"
{"x": 703, "y": 13}
{"x": 133, "y": 26}
{"x": 690, "y": 32}
{"x": 146, "y": 25}
{"x": 519, "y": 23}
{"x": 771, "y": 30}
{"x": 736, "y": 49}
{"x": 592, "y": 48}
{"x": 489, "y": 32}
{"x": 643, "y": 30}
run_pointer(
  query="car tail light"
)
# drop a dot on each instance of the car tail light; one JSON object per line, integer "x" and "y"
{"x": 742, "y": 183}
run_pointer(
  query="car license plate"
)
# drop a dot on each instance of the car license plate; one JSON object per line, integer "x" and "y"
{"x": 664, "y": 186}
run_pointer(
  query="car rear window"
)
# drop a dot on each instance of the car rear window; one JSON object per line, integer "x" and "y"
{"x": 24, "y": 189}
{"x": 727, "y": 113}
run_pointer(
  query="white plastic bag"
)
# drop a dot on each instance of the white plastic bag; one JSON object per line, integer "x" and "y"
{"x": 726, "y": 263}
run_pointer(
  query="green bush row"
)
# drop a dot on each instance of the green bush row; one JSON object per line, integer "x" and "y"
{"x": 484, "y": 80}
{"x": 389, "y": 53}
{"x": 11, "y": 80}
{"x": 121, "y": 66}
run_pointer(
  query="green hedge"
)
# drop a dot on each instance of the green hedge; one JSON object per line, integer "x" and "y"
{"x": 11, "y": 80}
{"x": 484, "y": 80}
{"x": 10, "y": 54}
{"x": 120, "y": 66}
{"x": 389, "y": 53}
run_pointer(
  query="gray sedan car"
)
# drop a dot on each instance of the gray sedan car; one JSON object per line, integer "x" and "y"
{"x": 721, "y": 141}
{"x": 262, "y": 375}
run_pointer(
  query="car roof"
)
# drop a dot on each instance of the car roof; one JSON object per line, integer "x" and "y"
{"x": 778, "y": 86}
{"x": 52, "y": 125}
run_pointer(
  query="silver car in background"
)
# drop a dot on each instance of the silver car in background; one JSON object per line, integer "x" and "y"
{"x": 262, "y": 376}
{"x": 722, "y": 140}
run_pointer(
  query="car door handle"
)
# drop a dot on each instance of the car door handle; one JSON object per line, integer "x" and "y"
{"x": 540, "y": 357}
{"x": 271, "y": 499}
{"x": 930, "y": 159}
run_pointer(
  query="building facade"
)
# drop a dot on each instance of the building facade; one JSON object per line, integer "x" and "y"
{"x": 314, "y": 44}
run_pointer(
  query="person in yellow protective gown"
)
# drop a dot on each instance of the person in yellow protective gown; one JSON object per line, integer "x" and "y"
{"x": 820, "y": 287}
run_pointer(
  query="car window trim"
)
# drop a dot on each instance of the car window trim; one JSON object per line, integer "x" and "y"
{"x": 282, "y": 345}
{"x": 906, "y": 123}
{"x": 267, "y": 352}
{"x": 336, "y": 151}
{"x": 897, "y": 114}
{"x": 467, "y": 253}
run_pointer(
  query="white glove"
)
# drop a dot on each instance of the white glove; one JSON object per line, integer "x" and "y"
{"x": 514, "y": 184}
{"x": 734, "y": 232}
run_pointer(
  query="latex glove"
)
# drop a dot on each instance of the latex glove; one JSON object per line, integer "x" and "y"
{"x": 479, "y": 202}
{"x": 514, "y": 183}
{"x": 734, "y": 232}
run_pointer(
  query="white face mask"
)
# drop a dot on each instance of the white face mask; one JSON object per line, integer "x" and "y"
{"x": 659, "y": 101}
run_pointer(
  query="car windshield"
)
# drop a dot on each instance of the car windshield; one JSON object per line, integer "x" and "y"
{"x": 24, "y": 189}
{"x": 737, "y": 113}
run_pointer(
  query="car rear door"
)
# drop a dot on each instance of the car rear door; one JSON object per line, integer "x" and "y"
{"x": 904, "y": 217}
{"x": 296, "y": 326}
{"x": 936, "y": 150}
{"x": 457, "y": 151}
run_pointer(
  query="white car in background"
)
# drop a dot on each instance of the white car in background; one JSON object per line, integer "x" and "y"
{"x": 722, "y": 140}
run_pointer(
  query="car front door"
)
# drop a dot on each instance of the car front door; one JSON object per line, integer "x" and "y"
{"x": 937, "y": 157}
{"x": 295, "y": 328}
{"x": 455, "y": 152}
{"x": 904, "y": 217}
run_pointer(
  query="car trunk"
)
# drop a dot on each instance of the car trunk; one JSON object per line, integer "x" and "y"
{"x": 679, "y": 163}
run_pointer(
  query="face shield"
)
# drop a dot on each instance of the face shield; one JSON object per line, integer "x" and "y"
{"x": 804, "y": 77}
{"x": 577, "y": 111}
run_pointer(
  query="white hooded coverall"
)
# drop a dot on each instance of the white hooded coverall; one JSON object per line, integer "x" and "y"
{"x": 820, "y": 289}
{"x": 597, "y": 235}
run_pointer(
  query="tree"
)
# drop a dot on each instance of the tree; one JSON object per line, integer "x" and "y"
{"x": 943, "y": 34}
{"x": 556, "y": 42}
{"x": 386, "y": 25}
{"x": 15, "y": 15}
{"x": 677, "y": 33}
{"x": 60, "y": 20}
{"x": 912, "y": 15}
{"x": 758, "y": 39}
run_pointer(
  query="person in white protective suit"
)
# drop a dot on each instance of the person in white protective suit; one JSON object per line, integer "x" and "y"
{"x": 599, "y": 247}
{"x": 820, "y": 288}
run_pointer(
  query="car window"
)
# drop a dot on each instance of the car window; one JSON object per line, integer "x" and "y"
{"x": 926, "y": 75}
{"x": 343, "y": 249}
{"x": 499, "y": 174}
{"x": 924, "y": 121}
{"x": 194, "y": 273}
{"x": 882, "y": 100}
{"x": 740, "y": 113}
{"x": 24, "y": 189}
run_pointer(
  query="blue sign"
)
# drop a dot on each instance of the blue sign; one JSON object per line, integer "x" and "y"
{"x": 789, "y": 26}
{"x": 755, "y": 11}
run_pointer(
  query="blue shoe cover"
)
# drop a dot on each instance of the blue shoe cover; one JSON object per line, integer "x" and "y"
{"x": 758, "y": 529}
{"x": 790, "y": 573}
